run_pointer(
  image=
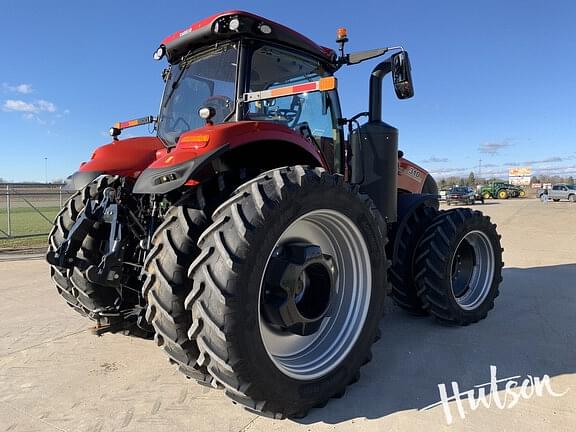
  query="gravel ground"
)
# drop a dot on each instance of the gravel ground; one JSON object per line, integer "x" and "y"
{"x": 56, "y": 376}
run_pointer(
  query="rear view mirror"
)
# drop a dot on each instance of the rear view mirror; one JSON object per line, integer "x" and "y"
{"x": 402, "y": 75}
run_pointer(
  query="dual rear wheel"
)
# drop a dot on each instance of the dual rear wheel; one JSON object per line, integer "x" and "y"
{"x": 448, "y": 264}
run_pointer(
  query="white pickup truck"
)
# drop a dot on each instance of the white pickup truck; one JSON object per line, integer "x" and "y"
{"x": 558, "y": 192}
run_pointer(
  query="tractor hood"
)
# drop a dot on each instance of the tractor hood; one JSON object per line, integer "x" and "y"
{"x": 128, "y": 157}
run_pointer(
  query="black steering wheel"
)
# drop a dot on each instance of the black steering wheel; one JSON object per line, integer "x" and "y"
{"x": 290, "y": 115}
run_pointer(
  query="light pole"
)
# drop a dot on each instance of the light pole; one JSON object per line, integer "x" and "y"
{"x": 46, "y": 170}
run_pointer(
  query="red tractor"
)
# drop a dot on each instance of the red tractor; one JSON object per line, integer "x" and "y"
{"x": 259, "y": 232}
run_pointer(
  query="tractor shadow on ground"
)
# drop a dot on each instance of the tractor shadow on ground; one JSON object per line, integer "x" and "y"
{"x": 530, "y": 331}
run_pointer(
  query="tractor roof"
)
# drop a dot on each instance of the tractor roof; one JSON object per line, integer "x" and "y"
{"x": 217, "y": 28}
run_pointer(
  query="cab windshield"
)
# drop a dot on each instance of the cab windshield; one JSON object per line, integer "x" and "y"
{"x": 204, "y": 80}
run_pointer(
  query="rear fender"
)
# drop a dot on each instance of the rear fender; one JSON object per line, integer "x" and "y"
{"x": 415, "y": 179}
{"x": 214, "y": 148}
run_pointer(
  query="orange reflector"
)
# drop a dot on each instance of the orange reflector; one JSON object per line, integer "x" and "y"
{"x": 327, "y": 83}
{"x": 341, "y": 33}
{"x": 194, "y": 139}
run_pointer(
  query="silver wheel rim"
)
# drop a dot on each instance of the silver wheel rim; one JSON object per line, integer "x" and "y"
{"x": 315, "y": 355}
{"x": 482, "y": 271}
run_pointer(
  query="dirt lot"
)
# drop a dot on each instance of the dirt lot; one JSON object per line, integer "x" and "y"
{"x": 56, "y": 376}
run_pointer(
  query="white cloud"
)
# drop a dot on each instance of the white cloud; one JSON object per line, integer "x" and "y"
{"x": 44, "y": 105}
{"x": 435, "y": 159}
{"x": 29, "y": 107}
{"x": 19, "y": 88}
{"x": 19, "y": 105}
{"x": 493, "y": 148}
{"x": 34, "y": 117}
{"x": 24, "y": 88}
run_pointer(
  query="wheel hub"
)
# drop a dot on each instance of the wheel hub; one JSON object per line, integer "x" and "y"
{"x": 462, "y": 269}
{"x": 299, "y": 283}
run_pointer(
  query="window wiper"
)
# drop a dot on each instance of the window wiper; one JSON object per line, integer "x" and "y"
{"x": 175, "y": 85}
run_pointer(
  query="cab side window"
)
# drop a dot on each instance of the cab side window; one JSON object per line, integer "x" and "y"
{"x": 309, "y": 114}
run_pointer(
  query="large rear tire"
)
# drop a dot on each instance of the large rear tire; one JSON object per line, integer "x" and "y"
{"x": 460, "y": 267}
{"x": 404, "y": 291}
{"x": 240, "y": 314}
{"x": 166, "y": 267}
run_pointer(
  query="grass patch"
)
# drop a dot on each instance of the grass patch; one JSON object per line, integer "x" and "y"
{"x": 24, "y": 243}
{"x": 25, "y": 221}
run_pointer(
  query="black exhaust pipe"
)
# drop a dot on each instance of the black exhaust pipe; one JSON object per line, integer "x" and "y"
{"x": 376, "y": 77}
{"x": 374, "y": 147}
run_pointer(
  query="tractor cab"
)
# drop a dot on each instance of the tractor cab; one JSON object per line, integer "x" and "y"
{"x": 281, "y": 85}
{"x": 237, "y": 67}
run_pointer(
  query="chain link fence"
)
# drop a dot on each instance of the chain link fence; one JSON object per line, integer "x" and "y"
{"x": 28, "y": 210}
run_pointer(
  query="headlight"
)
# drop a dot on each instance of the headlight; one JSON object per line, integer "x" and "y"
{"x": 234, "y": 24}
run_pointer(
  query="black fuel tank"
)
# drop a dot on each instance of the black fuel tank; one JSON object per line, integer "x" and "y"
{"x": 374, "y": 164}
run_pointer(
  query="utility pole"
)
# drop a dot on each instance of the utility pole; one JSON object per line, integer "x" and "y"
{"x": 480, "y": 168}
{"x": 46, "y": 170}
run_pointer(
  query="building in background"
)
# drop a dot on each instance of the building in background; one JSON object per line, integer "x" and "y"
{"x": 520, "y": 176}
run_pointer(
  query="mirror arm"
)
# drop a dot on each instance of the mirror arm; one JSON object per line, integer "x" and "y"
{"x": 359, "y": 57}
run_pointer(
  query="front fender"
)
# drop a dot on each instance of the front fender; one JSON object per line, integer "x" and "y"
{"x": 124, "y": 157}
{"x": 163, "y": 180}
{"x": 80, "y": 179}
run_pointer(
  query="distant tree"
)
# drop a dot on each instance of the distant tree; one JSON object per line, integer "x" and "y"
{"x": 443, "y": 183}
{"x": 570, "y": 180}
{"x": 471, "y": 179}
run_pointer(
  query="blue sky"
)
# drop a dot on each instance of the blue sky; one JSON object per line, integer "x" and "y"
{"x": 494, "y": 80}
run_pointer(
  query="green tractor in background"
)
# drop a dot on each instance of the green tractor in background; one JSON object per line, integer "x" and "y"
{"x": 501, "y": 190}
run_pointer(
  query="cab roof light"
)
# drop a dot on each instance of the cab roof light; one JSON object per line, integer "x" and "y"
{"x": 160, "y": 52}
{"x": 265, "y": 28}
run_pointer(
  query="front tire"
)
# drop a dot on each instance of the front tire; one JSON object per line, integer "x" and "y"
{"x": 239, "y": 311}
{"x": 460, "y": 262}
